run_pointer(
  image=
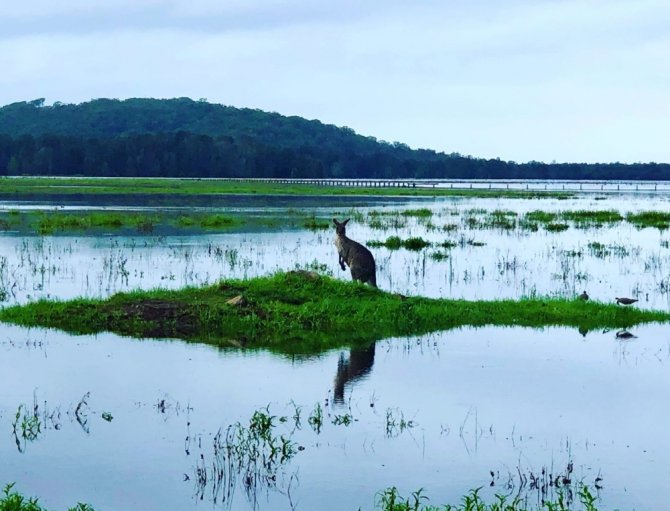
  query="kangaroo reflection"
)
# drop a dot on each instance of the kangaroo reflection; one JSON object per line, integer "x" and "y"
{"x": 350, "y": 369}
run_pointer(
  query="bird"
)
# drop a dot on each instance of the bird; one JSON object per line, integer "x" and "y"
{"x": 584, "y": 296}
{"x": 625, "y": 334}
{"x": 625, "y": 301}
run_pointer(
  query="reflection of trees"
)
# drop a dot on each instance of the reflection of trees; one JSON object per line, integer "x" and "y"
{"x": 350, "y": 369}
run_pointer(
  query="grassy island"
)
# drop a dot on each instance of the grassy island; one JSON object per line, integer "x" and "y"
{"x": 305, "y": 312}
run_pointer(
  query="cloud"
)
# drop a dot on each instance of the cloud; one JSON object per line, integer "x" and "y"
{"x": 576, "y": 80}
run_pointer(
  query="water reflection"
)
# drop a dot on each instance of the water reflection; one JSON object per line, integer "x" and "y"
{"x": 352, "y": 368}
{"x": 490, "y": 405}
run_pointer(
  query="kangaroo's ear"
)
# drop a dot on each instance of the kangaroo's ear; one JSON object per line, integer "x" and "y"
{"x": 346, "y": 221}
{"x": 336, "y": 222}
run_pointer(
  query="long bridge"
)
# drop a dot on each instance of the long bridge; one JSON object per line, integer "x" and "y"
{"x": 476, "y": 184}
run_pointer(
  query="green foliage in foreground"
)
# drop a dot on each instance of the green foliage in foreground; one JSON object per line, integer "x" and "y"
{"x": 390, "y": 500}
{"x": 304, "y": 312}
{"x": 11, "y": 500}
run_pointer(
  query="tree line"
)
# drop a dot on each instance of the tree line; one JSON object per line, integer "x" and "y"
{"x": 185, "y": 138}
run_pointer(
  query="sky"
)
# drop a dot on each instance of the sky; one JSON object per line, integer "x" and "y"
{"x": 545, "y": 80}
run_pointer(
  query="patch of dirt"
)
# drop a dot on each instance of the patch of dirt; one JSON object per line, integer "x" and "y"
{"x": 163, "y": 318}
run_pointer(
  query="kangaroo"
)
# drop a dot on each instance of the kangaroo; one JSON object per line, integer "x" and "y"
{"x": 356, "y": 256}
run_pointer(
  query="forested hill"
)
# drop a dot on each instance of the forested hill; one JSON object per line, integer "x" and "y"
{"x": 182, "y": 137}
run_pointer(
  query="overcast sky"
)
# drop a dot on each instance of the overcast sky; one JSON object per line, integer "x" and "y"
{"x": 580, "y": 80}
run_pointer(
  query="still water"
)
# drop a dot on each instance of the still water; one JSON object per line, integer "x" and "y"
{"x": 130, "y": 424}
{"x": 506, "y": 401}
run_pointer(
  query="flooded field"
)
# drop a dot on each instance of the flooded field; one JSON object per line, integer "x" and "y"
{"x": 114, "y": 421}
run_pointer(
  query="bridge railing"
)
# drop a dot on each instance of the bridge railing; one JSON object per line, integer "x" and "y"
{"x": 475, "y": 184}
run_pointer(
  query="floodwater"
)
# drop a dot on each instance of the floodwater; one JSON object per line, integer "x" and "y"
{"x": 127, "y": 423}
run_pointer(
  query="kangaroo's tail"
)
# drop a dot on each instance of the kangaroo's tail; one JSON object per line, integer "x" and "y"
{"x": 373, "y": 280}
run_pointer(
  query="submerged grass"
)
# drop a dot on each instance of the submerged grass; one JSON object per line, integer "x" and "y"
{"x": 395, "y": 243}
{"x": 304, "y": 312}
{"x": 658, "y": 219}
{"x": 51, "y": 222}
{"x": 391, "y": 500}
{"x": 592, "y": 217}
{"x": 556, "y": 227}
{"x": 419, "y": 213}
{"x": 56, "y": 221}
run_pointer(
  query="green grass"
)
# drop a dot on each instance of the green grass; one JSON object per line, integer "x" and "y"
{"x": 51, "y": 222}
{"x": 395, "y": 243}
{"x": 505, "y": 220}
{"x": 592, "y": 217}
{"x": 391, "y": 500}
{"x": 587, "y": 218}
{"x": 542, "y": 217}
{"x": 392, "y": 243}
{"x": 175, "y": 186}
{"x": 56, "y": 221}
{"x": 11, "y": 500}
{"x": 439, "y": 256}
{"x": 419, "y": 213}
{"x": 556, "y": 227}
{"x": 315, "y": 224}
{"x": 658, "y": 219}
{"x": 415, "y": 243}
{"x": 303, "y": 312}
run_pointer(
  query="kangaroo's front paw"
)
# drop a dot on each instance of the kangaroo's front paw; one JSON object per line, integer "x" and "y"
{"x": 342, "y": 266}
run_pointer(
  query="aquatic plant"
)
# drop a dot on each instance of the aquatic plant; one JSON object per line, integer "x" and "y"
{"x": 657, "y": 219}
{"x": 253, "y": 453}
{"x": 27, "y": 424}
{"x": 396, "y": 422}
{"x": 315, "y": 419}
{"x": 556, "y": 227}
{"x": 587, "y": 217}
{"x": 500, "y": 220}
{"x": 439, "y": 256}
{"x": 52, "y": 222}
{"x": 415, "y": 243}
{"x": 5, "y": 288}
{"x": 390, "y": 500}
{"x": 448, "y": 244}
{"x": 395, "y": 243}
{"x": 392, "y": 243}
{"x": 542, "y": 217}
{"x": 314, "y": 224}
{"x": 11, "y": 500}
{"x": 420, "y": 213}
{"x": 344, "y": 419}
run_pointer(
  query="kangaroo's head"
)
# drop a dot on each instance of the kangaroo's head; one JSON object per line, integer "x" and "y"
{"x": 340, "y": 227}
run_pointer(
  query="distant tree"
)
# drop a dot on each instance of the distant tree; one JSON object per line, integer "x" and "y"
{"x": 182, "y": 137}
